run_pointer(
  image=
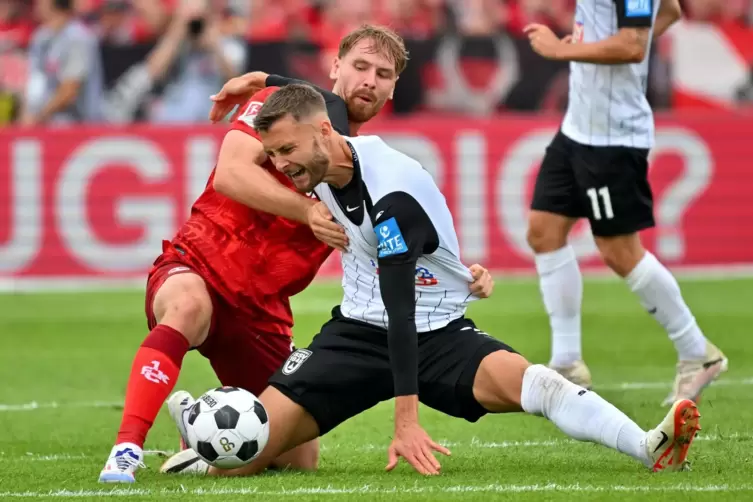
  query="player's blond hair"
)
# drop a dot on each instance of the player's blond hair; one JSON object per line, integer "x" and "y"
{"x": 383, "y": 41}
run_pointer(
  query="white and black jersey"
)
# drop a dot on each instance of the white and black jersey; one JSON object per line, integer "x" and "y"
{"x": 402, "y": 272}
{"x": 607, "y": 104}
{"x": 395, "y": 215}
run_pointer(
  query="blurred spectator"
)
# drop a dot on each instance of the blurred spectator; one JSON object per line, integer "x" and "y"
{"x": 417, "y": 19}
{"x": 163, "y": 58}
{"x": 477, "y": 18}
{"x": 15, "y": 32}
{"x": 557, "y": 14}
{"x": 209, "y": 55}
{"x": 122, "y": 22}
{"x": 65, "y": 81}
{"x": 720, "y": 12}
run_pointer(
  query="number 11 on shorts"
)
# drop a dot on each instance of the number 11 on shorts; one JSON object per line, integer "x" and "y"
{"x": 594, "y": 194}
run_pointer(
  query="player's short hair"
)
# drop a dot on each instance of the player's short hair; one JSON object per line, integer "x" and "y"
{"x": 384, "y": 41}
{"x": 297, "y": 100}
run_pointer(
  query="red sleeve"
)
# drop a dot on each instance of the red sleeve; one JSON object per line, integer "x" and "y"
{"x": 243, "y": 120}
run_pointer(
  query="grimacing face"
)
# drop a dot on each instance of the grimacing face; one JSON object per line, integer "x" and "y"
{"x": 298, "y": 150}
{"x": 365, "y": 79}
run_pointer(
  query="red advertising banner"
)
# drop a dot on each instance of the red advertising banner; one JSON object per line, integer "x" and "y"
{"x": 94, "y": 203}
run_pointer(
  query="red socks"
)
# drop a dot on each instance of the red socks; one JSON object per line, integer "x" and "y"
{"x": 153, "y": 375}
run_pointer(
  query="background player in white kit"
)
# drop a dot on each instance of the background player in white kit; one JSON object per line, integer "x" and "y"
{"x": 398, "y": 334}
{"x": 597, "y": 168}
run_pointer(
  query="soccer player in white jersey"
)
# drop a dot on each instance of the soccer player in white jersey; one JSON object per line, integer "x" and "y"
{"x": 596, "y": 167}
{"x": 401, "y": 329}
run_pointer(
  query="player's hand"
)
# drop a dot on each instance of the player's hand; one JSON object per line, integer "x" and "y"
{"x": 324, "y": 227}
{"x": 417, "y": 448}
{"x": 544, "y": 41}
{"x": 483, "y": 284}
{"x": 236, "y": 92}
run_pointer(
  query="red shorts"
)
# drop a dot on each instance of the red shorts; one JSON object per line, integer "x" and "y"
{"x": 240, "y": 354}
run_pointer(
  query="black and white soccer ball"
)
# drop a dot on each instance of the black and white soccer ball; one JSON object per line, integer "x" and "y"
{"x": 228, "y": 427}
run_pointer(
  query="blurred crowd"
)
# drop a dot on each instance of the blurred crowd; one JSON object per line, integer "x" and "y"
{"x": 195, "y": 44}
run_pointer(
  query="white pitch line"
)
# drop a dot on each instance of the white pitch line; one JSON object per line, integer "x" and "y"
{"x": 627, "y": 386}
{"x": 475, "y": 443}
{"x": 369, "y": 490}
{"x": 665, "y": 385}
{"x": 34, "y": 405}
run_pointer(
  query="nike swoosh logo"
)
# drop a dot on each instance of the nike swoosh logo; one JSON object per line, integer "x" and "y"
{"x": 711, "y": 363}
{"x": 664, "y": 439}
{"x": 351, "y": 209}
{"x": 182, "y": 466}
{"x": 380, "y": 213}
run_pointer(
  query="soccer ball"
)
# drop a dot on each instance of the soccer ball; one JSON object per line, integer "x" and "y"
{"x": 228, "y": 427}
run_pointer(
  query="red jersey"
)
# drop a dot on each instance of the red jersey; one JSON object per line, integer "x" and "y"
{"x": 255, "y": 260}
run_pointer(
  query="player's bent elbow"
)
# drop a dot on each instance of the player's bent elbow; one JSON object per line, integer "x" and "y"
{"x": 671, "y": 9}
{"x": 221, "y": 183}
{"x": 225, "y": 181}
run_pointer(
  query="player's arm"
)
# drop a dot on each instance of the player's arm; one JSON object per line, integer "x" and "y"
{"x": 76, "y": 64}
{"x": 239, "y": 90}
{"x": 669, "y": 13}
{"x": 240, "y": 176}
{"x": 628, "y": 45}
{"x": 404, "y": 232}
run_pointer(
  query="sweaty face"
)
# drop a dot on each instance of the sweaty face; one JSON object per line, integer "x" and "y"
{"x": 297, "y": 150}
{"x": 365, "y": 79}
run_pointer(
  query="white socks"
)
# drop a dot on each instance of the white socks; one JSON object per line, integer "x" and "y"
{"x": 660, "y": 295}
{"x": 562, "y": 291}
{"x": 581, "y": 414}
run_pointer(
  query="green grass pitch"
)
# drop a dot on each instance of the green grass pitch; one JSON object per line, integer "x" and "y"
{"x": 64, "y": 361}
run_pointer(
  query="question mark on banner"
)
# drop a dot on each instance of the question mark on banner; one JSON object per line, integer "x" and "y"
{"x": 689, "y": 186}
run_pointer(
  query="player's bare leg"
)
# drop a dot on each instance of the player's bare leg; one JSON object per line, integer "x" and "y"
{"x": 699, "y": 361}
{"x": 561, "y": 287}
{"x": 301, "y": 458}
{"x": 183, "y": 310}
{"x": 290, "y": 428}
{"x": 506, "y": 382}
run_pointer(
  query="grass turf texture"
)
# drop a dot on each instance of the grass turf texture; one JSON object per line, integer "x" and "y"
{"x": 64, "y": 361}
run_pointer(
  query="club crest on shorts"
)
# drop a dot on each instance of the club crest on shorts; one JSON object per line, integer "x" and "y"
{"x": 295, "y": 361}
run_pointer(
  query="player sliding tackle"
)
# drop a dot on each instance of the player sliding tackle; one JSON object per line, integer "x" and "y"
{"x": 394, "y": 336}
{"x": 222, "y": 284}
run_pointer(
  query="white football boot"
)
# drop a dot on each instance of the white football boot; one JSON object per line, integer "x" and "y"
{"x": 185, "y": 462}
{"x": 124, "y": 460}
{"x": 667, "y": 445}
{"x": 693, "y": 376}
{"x": 177, "y": 404}
{"x": 577, "y": 373}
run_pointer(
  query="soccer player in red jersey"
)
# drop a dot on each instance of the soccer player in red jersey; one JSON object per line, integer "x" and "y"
{"x": 222, "y": 285}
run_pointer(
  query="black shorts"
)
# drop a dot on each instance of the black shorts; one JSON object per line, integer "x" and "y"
{"x": 606, "y": 184}
{"x": 346, "y": 370}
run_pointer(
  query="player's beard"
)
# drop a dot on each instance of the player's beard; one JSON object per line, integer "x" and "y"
{"x": 316, "y": 169}
{"x": 360, "y": 111}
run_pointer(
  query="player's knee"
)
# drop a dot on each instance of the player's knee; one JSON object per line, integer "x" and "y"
{"x": 183, "y": 303}
{"x": 499, "y": 380}
{"x": 621, "y": 253}
{"x": 547, "y": 232}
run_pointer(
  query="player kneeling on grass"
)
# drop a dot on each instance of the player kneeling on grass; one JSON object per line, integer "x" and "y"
{"x": 401, "y": 331}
